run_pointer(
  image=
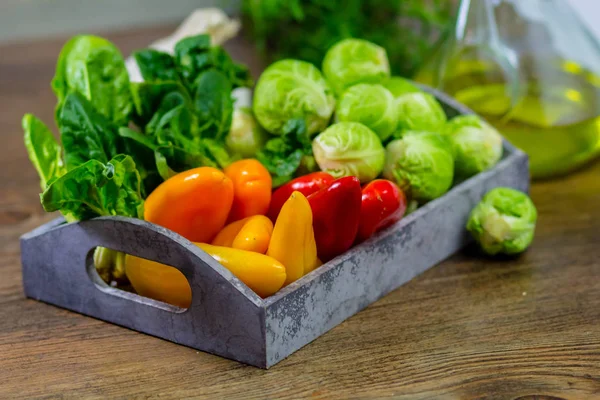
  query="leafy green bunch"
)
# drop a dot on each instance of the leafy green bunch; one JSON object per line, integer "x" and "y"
{"x": 306, "y": 29}
{"x": 121, "y": 139}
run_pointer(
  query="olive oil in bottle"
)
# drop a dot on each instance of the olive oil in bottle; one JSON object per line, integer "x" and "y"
{"x": 520, "y": 65}
{"x": 555, "y": 119}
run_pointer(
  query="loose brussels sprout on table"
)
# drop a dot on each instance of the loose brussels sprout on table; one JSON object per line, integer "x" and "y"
{"x": 291, "y": 89}
{"x": 353, "y": 61}
{"x": 246, "y": 136}
{"x": 371, "y": 105}
{"x": 421, "y": 163}
{"x": 420, "y": 112}
{"x": 349, "y": 149}
{"x": 399, "y": 86}
{"x": 477, "y": 145}
{"x": 503, "y": 222}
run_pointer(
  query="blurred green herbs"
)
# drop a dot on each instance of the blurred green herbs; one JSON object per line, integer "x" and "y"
{"x": 305, "y": 29}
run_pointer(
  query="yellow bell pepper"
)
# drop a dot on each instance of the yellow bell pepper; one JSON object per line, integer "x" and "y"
{"x": 293, "y": 239}
{"x": 251, "y": 234}
{"x": 261, "y": 273}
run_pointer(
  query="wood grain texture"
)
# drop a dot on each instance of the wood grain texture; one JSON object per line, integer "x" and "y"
{"x": 471, "y": 327}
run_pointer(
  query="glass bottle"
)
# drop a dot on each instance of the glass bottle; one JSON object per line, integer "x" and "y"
{"x": 528, "y": 67}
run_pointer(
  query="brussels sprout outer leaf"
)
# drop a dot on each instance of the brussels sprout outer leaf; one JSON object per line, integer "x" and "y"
{"x": 353, "y": 61}
{"x": 292, "y": 89}
{"x": 503, "y": 222}
{"x": 44, "y": 151}
{"x": 399, "y": 86}
{"x": 349, "y": 149}
{"x": 421, "y": 163}
{"x": 371, "y": 105}
{"x": 477, "y": 145}
{"x": 420, "y": 112}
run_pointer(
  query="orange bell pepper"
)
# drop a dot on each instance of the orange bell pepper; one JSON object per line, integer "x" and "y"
{"x": 252, "y": 234}
{"x": 252, "y": 188}
{"x": 194, "y": 203}
{"x": 293, "y": 240}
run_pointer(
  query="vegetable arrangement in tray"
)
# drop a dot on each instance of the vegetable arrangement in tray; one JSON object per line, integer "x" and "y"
{"x": 320, "y": 163}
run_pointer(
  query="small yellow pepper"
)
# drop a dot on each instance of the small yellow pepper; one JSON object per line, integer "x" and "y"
{"x": 261, "y": 273}
{"x": 251, "y": 234}
{"x": 293, "y": 239}
{"x": 158, "y": 281}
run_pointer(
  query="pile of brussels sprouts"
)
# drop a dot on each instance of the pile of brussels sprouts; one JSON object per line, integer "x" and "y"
{"x": 362, "y": 122}
{"x": 381, "y": 124}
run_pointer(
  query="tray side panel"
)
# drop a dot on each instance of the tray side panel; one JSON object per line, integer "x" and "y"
{"x": 349, "y": 283}
{"x": 221, "y": 319}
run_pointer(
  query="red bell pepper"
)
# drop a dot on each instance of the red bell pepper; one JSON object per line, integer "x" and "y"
{"x": 383, "y": 203}
{"x": 336, "y": 215}
{"x": 307, "y": 185}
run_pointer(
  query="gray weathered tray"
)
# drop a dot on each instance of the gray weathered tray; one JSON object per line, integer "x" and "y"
{"x": 226, "y": 317}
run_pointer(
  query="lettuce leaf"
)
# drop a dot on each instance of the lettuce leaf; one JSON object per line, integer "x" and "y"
{"x": 43, "y": 149}
{"x": 94, "y": 68}
{"x": 85, "y": 134}
{"x": 97, "y": 189}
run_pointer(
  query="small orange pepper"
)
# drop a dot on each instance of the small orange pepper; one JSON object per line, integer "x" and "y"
{"x": 252, "y": 234}
{"x": 252, "y": 188}
{"x": 194, "y": 203}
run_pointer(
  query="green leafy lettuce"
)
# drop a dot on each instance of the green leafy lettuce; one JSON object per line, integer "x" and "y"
{"x": 95, "y": 188}
{"x": 94, "y": 67}
{"x": 44, "y": 151}
{"x": 106, "y": 166}
{"x": 192, "y": 56}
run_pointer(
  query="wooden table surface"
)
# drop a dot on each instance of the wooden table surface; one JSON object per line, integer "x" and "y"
{"x": 468, "y": 328}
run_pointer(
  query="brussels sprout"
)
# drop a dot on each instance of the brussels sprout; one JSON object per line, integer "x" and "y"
{"x": 400, "y": 86}
{"x": 245, "y": 136}
{"x": 503, "y": 222}
{"x": 420, "y": 112}
{"x": 421, "y": 163}
{"x": 371, "y": 105}
{"x": 349, "y": 149}
{"x": 353, "y": 61}
{"x": 292, "y": 89}
{"x": 477, "y": 146}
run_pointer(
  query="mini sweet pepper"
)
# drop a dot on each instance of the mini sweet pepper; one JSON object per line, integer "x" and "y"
{"x": 252, "y": 234}
{"x": 336, "y": 215}
{"x": 293, "y": 240}
{"x": 252, "y": 189}
{"x": 383, "y": 203}
{"x": 306, "y": 184}
{"x": 194, "y": 203}
{"x": 259, "y": 272}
